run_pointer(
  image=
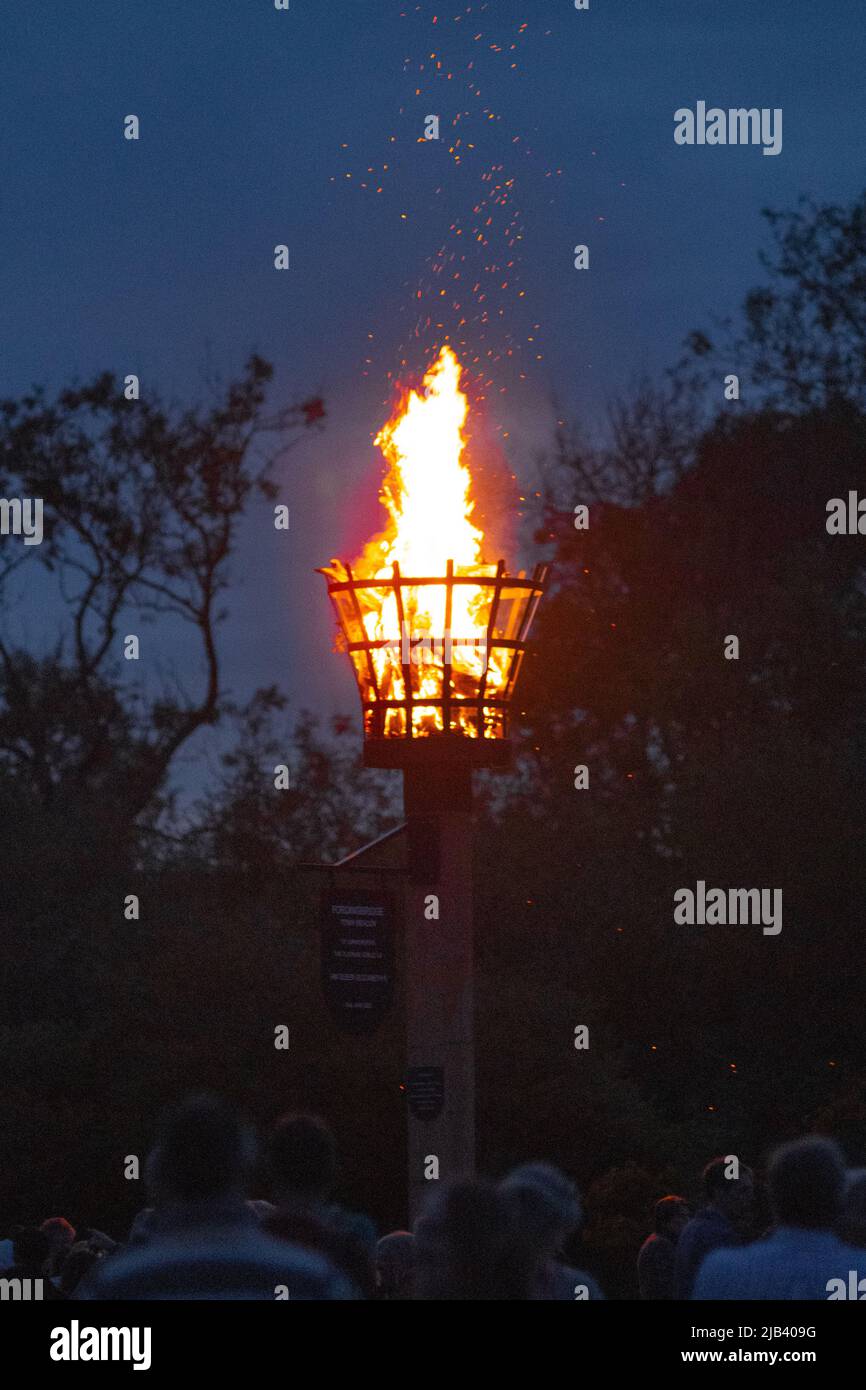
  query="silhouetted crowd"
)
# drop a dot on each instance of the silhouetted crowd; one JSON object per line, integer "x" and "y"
{"x": 204, "y": 1238}
{"x": 812, "y": 1247}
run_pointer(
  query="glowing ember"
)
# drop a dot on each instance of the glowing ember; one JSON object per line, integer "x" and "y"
{"x": 435, "y": 645}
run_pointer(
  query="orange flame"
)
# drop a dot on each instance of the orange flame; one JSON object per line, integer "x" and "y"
{"x": 426, "y": 491}
{"x": 426, "y": 495}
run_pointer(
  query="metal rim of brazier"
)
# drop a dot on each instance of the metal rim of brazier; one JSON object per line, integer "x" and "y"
{"x": 482, "y": 738}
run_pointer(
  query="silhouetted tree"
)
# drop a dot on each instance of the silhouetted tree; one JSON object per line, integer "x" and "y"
{"x": 142, "y": 507}
{"x": 803, "y": 343}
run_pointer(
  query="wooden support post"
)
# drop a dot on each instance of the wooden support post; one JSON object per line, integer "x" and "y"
{"x": 439, "y": 977}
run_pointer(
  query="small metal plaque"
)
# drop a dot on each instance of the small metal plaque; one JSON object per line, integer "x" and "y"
{"x": 426, "y": 1092}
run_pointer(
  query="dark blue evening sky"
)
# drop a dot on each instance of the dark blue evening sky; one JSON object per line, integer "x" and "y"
{"x": 156, "y": 256}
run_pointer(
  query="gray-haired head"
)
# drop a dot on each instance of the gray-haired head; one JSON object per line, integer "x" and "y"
{"x": 547, "y": 1202}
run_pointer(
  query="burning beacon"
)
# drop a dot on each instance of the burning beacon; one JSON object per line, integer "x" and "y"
{"x": 436, "y": 635}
